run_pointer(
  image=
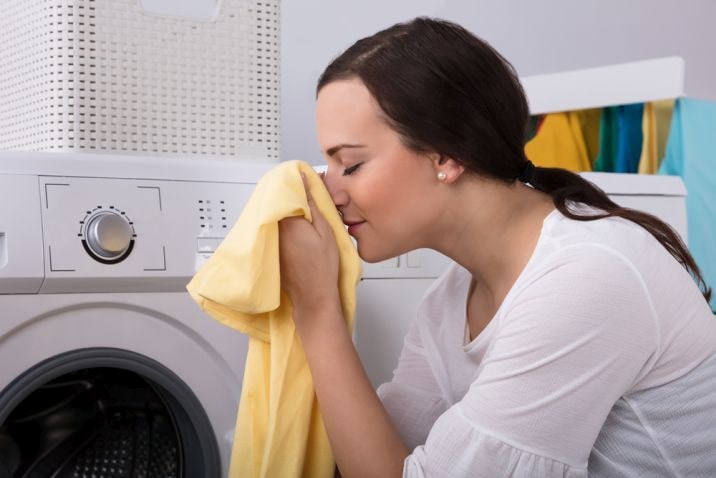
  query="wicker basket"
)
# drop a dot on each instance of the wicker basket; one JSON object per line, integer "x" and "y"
{"x": 106, "y": 75}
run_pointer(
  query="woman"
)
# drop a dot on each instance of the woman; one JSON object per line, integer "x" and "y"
{"x": 567, "y": 339}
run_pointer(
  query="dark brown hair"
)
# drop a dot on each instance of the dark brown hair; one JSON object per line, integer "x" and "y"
{"x": 446, "y": 91}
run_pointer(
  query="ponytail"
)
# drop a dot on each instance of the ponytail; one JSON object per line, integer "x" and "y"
{"x": 566, "y": 186}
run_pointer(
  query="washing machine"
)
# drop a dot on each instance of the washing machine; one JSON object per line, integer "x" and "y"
{"x": 107, "y": 367}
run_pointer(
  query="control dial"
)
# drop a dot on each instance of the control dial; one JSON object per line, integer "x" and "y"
{"x": 108, "y": 237}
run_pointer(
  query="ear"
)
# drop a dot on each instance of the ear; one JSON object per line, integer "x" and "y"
{"x": 453, "y": 169}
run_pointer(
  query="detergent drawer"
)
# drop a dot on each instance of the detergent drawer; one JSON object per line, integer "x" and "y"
{"x": 21, "y": 261}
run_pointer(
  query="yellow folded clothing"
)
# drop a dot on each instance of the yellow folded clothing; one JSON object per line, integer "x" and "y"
{"x": 561, "y": 141}
{"x": 279, "y": 429}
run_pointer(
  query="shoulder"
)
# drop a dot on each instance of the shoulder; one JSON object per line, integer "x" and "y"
{"x": 613, "y": 231}
{"x": 592, "y": 261}
{"x": 595, "y": 244}
{"x": 585, "y": 289}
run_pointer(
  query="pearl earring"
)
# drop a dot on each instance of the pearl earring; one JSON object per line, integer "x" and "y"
{"x": 442, "y": 176}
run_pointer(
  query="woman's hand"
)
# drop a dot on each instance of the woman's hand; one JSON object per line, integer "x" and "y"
{"x": 309, "y": 262}
{"x": 350, "y": 407}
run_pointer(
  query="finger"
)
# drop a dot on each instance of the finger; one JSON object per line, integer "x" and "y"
{"x": 289, "y": 224}
{"x": 309, "y": 197}
{"x": 317, "y": 218}
{"x": 320, "y": 223}
{"x": 307, "y": 188}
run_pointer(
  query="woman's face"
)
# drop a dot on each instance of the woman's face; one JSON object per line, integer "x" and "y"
{"x": 382, "y": 189}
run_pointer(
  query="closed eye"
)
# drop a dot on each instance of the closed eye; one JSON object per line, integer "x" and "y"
{"x": 352, "y": 169}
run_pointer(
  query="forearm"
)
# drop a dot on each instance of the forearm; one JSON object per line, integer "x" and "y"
{"x": 363, "y": 439}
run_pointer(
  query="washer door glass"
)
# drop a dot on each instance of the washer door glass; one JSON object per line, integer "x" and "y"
{"x": 104, "y": 413}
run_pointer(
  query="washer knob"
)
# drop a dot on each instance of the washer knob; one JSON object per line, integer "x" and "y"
{"x": 108, "y": 235}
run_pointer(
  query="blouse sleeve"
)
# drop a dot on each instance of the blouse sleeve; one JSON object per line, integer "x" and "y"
{"x": 412, "y": 399}
{"x": 571, "y": 341}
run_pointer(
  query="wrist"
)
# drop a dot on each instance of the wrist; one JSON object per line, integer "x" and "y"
{"x": 318, "y": 317}
{"x": 316, "y": 301}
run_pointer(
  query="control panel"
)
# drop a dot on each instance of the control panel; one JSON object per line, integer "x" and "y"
{"x": 217, "y": 214}
{"x": 132, "y": 235}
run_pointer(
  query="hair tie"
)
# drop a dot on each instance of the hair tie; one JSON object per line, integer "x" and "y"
{"x": 528, "y": 172}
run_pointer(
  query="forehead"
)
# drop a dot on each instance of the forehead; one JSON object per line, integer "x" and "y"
{"x": 345, "y": 110}
{"x": 348, "y": 93}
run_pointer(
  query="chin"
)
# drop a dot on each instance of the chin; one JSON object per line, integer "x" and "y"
{"x": 372, "y": 257}
{"x": 371, "y": 260}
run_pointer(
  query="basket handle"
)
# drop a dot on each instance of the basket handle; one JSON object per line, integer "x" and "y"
{"x": 202, "y": 10}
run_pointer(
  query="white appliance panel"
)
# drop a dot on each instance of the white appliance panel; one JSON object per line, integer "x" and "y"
{"x": 173, "y": 225}
{"x": 21, "y": 262}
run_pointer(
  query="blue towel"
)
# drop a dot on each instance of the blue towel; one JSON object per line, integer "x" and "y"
{"x": 691, "y": 154}
{"x": 620, "y": 139}
{"x": 630, "y": 139}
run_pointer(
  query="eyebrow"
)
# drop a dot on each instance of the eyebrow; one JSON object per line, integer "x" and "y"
{"x": 335, "y": 149}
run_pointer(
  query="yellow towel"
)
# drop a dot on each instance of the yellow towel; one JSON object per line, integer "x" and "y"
{"x": 589, "y": 122}
{"x": 655, "y": 128}
{"x": 279, "y": 430}
{"x": 560, "y": 143}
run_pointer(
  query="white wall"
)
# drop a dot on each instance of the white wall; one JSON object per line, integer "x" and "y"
{"x": 536, "y": 36}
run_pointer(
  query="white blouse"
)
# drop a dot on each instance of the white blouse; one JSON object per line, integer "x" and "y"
{"x": 600, "y": 361}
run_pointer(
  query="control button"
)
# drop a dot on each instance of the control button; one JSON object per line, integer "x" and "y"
{"x": 108, "y": 235}
{"x": 206, "y": 244}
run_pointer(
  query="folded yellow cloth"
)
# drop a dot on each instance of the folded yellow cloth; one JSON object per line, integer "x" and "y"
{"x": 560, "y": 142}
{"x": 279, "y": 429}
{"x": 655, "y": 127}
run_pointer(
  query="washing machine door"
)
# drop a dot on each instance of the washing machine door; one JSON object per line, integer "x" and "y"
{"x": 107, "y": 413}
{"x": 129, "y": 380}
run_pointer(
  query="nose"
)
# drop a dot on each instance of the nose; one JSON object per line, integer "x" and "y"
{"x": 333, "y": 181}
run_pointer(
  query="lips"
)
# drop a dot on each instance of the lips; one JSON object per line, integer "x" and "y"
{"x": 353, "y": 226}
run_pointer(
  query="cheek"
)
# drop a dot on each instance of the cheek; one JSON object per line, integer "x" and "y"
{"x": 391, "y": 189}
{"x": 392, "y": 207}
{"x": 381, "y": 197}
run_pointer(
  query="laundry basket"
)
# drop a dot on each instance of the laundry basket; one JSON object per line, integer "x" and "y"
{"x": 111, "y": 75}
